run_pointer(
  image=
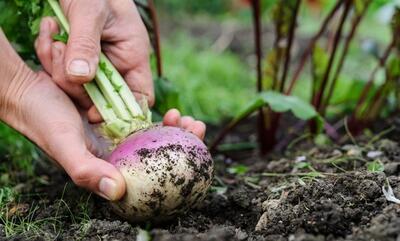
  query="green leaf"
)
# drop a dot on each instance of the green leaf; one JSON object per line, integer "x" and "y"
{"x": 375, "y": 166}
{"x": 238, "y": 170}
{"x": 394, "y": 67}
{"x": 62, "y": 37}
{"x": 20, "y": 21}
{"x": 107, "y": 72}
{"x": 279, "y": 103}
{"x": 117, "y": 88}
{"x": 167, "y": 96}
{"x": 301, "y": 165}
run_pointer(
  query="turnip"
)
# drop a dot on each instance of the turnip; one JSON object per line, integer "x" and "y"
{"x": 167, "y": 170}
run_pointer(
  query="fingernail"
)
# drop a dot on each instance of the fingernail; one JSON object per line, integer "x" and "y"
{"x": 79, "y": 67}
{"x": 108, "y": 188}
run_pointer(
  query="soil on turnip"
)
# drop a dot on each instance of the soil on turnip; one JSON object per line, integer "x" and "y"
{"x": 310, "y": 192}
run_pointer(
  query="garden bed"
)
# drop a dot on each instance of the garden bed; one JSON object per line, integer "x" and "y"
{"x": 327, "y": 192}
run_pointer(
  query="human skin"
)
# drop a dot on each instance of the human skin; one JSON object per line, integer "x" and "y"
{"x": 47, "y": 109}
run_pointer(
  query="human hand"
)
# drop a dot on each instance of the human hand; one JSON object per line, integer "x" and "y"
{"x": 113, "y": 26}
{"x": 52, "y": 55}
{"x": 33, "y": 104}
{"x": 116, "y": 28}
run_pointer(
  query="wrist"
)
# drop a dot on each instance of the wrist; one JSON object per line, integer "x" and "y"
{"x": 15, "y": 79}
{"x": 14, "y": 87}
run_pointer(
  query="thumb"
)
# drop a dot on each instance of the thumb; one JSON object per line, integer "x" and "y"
{"x": 87, "y": 19}
{"x": 68, "y": 147}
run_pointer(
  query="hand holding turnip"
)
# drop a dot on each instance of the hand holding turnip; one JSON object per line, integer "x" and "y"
{"x": 167, "y": 169}
{"x": 113, "y": 26}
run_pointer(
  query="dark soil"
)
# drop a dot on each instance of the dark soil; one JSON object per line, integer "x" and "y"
{"x": 309, "y": 193}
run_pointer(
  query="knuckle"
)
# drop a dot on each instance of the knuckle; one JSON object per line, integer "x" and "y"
{"x": 80, "y": 175}
{"x": 85, "y": 45}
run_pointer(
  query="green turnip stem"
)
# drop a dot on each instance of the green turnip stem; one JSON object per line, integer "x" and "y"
{"x": 112, "y": 97}
{"x": 124, "y": 91}
{"x": 98, "y": 99}
{"x": 110, "y": 94}
{"x": 114, "y": 126}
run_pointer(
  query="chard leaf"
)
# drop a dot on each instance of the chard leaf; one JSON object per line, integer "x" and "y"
{"x": 279, "y": 103}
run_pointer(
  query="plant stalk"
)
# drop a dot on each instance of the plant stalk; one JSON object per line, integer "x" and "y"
{"x": 319, "y": 96}
{"x": 289, "y": 45}
{"x": 355, "y": 23}
{"x": 308, "y": 51}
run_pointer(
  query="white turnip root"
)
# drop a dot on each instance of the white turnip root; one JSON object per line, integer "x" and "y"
{"x": 167, "y": 171}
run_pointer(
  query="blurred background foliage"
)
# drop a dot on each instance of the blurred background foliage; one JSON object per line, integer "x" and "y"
{"x": 208, "y": 55}
{"x": 216, "y": 81}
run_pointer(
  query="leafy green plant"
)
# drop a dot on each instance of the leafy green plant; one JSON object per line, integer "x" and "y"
{"x": 238, "y": 170}
{"x": 278, "y": 103}
{"x": 327, "y": 57}
{"x": 17, "y": 152}
{"x": 375, "y": 166}
{"x": 212, "y": 86}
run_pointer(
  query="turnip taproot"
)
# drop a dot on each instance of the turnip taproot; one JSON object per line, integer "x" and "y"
{"x": 167, "y": 170}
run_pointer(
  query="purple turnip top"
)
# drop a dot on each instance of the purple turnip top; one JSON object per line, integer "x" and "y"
{"x": 167, "y": 171}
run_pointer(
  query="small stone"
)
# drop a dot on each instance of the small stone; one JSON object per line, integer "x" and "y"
{"x": 301, "y": 159}
{"x": 270, "y": 204}
{"x": 352, "y": 150}
{"x": 240, "y": 234}
{"x": 392, "y": 168}
{"x": 336, "y": 152}
{"x": 262, "y": 222}
{"x": 374, "y": 154}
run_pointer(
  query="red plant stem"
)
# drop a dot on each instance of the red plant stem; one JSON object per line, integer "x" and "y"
{"x": 224, "y": 132}
{"x": 255, "y": 4}
{"x": 290, "y": 43}
{"x": 262, "y": 130}
{"x": 277, "y": 48}
{"x": 342, "y": 59}
{"x": 381, "y": 63}
{"x": 318, "y": 98}
{"x": 310, "y": 46}
{"x": 257, "y": 38}
{"x": 156, "y": 31}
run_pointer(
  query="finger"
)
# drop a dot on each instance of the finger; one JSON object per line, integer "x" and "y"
{"x": 43, "y": 43}
{"x": 198, "y": 128}
{"x": 94, "y": 115}
{"x": 66, "y": 145}
{"x": 87, "y": 19}
{"x": 140, "y": 82}
{"x": 74, "y": 90}
{"x": 172, "y": 118}
{"x": 61, "y": 135}
{"x": 187, "y": 121}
